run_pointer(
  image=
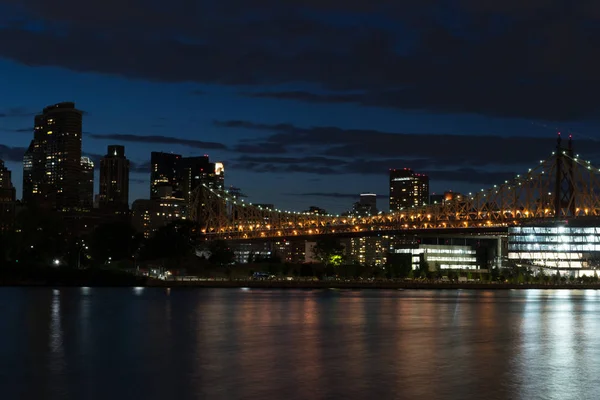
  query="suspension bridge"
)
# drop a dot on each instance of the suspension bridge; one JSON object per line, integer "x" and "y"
{"x": 563, "y": 186}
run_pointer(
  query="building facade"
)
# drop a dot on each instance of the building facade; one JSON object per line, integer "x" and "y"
{"x": 52, "y": 163}
{"x": 183, "y": 174}
{"x": 7, "y": 199}
{"x": 165, "y": 171}
{"x": 369, "y": 250}
{"x": 441, "y": 257}
{"x": 150, "y": 215}
{"x": 567, "y": 247}
{"x": 114, "y": 179}
{"x": 86, "y": 184}
{"x": 408, "y": 189}
{"x": 195, "y": 171}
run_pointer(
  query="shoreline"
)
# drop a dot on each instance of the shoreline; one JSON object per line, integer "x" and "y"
{"x": 307, "y": 285}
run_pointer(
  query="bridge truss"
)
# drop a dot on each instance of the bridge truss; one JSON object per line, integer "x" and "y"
{"x": 562, "y": 186}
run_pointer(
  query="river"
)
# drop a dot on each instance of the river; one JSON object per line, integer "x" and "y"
{"x": 136, "y": 343}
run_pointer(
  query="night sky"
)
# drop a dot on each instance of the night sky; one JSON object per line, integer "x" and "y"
{"x": 309, "y": 102}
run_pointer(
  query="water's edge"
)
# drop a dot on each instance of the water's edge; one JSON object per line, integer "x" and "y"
{"x": 305, "y": 285}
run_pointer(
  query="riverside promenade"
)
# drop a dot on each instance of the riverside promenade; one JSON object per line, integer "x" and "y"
{"x": 357, "y": 285}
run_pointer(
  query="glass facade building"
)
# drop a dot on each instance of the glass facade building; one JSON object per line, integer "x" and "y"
{"x": 442, "y": 256}
{"x": 561, "y": 247}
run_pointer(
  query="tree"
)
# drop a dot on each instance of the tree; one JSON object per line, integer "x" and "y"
{"x": 423, "y": 266}
{"x": 40, "y": 237}
{"x": 115, "y": 241}
{"x": 220, "y": 253}
{"x": 172, "y": 242}
{"x": 399, "y": 266}
{"x": 329, "y": 251}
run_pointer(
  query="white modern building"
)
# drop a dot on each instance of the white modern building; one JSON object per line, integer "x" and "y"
{"x": 442, "y": 256}
{"x": 562, "y": 246}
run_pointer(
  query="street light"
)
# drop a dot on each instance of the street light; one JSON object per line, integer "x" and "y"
{"x": 56, "y": 262}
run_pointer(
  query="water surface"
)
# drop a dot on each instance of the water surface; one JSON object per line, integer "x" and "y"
{"x": 134, "y": 343}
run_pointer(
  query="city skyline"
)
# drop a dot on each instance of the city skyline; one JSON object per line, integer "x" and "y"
{"x": 306, "y": 127}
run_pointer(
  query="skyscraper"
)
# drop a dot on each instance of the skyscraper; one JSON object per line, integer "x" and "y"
{"x": 7, "y": 199}
{"x": 165, "y": 173}
{"x": 408, "y": 189}
{"x": 86, "y": 184}
{"x": 199, "y": 170}
{"x": 114, "y": 179}
{"x": 178, "y": 176}
{"x": 52, "y": 163}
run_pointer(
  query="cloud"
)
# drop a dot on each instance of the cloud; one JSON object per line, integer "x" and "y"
{"x": 443, "y": 97}
{"x": 515, "y": 59}
{"x": 378, "y": 150}
{"x": 16, "y": 112}
{"x": 139, "y": 167}
{"x": 18, "y": 130}
{"x": 159, "y": 139}
{"x": 334, "y": 195}
{"x": 15, "y": 154}
{"x": 331, "y": 166}
{"x": 23, "y": 130}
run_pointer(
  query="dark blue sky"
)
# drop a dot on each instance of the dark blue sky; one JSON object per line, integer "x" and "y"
{"x": 309, "y": 102}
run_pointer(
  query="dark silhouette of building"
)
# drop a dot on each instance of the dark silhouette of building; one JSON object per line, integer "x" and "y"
{"x": 52, "y": 163}
{"x": 7, "y": 199}
{"x": 86, "y": 184}
{"x": 408, "y": 189}
{"x": 165, "y": 172}
{"x": 150, "y": 215}
{"x": 369, "y": 201}
{"x": 315, "y": 210}
{"x": 114, "y": 179}
{"x": 176, "y": 176}
{"x": 367, "y": 205}
{"x": 194, "y": 172}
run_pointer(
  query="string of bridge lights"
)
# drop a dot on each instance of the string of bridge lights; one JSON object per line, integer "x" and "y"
{"x": 518, "y": 180}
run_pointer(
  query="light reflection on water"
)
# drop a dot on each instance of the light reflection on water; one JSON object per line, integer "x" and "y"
{"x": 98, "y": 343}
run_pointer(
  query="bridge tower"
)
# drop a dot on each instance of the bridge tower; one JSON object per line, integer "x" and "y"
{"x": 564, "y": 192}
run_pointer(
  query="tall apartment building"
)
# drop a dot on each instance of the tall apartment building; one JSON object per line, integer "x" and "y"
{"x": 182, "y": 175}
{"x": 52, "y": 168}
{"x": 165, "y": 172}
{"x": 114, "y": 179}
{"x": 408, "y": 189}
{"x": 7, "y": 199}
{"x": 150, "y": 215}
{"x": 86, "y": 184}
